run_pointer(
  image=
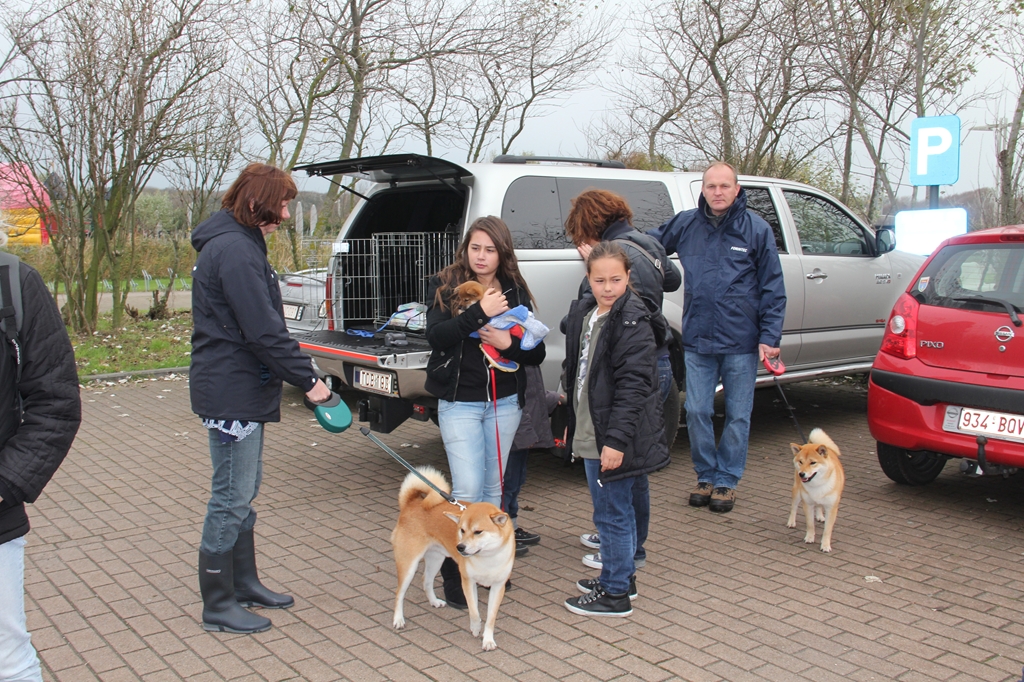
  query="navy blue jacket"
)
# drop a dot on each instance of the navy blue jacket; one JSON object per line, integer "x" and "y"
{"x": 734, "y": 295}
{"x": 241, "y": 349}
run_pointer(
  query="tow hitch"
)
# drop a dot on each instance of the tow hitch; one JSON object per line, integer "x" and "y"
{"x": 982, "y": 467}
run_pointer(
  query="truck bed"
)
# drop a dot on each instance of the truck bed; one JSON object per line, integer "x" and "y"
{"x": 369, "y": 350}
{"x": 369, "y": 364}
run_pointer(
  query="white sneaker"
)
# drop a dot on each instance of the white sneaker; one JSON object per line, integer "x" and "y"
{"x": 594, "y": 561}
{"x": 591, "y": 540}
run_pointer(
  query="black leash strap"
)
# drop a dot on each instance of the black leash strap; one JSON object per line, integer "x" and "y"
{"x": 448, "y": 496}
{"x": 792, "y": 414}
{"x": 9, "y": 316}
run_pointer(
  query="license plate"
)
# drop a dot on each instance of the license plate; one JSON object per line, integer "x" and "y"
{"x": 1001, "y": 425}
{"x": 292, "y": 312}
{"x": 375, "y": 382}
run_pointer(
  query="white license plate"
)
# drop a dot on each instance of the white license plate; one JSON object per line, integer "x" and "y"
{"x": 375, "y": 382}
{"x": 1001, "y": 425}
{"x": 292, "y": 312}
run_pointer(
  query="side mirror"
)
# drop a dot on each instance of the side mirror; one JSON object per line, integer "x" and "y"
{"x": 885, "y": 240}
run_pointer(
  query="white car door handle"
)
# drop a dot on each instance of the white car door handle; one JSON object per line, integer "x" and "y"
{"x": 817, "y": 274}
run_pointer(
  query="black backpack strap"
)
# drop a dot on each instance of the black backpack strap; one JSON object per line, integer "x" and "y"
{"x": 11, "y": 312}
{"x": 656, "y": 262}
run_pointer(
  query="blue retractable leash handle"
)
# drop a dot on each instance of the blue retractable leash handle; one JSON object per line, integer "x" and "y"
{"x": 333, "y": 414}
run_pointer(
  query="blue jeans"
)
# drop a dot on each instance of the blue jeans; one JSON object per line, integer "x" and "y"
{"x": 515, "y": 477}
{"x": 616, "y": 524}
{"x": 237, "y": 473}
{"x": 468, "y": 433}
{"x": 722, "y": 466}
{"x": 18, "y": 659}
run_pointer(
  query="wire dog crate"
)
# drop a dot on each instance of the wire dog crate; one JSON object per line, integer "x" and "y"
{"x": 378, "y": 274}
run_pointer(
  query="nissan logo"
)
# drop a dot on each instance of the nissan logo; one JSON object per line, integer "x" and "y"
{"x": 1004, "y": 334}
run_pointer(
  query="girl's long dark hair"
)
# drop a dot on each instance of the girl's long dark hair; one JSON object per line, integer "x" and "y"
{"x": 460, "y": 271}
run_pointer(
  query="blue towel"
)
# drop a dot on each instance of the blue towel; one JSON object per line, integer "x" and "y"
{"x": 534, "y": 330}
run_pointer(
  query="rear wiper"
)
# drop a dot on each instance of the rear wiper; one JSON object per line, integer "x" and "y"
{"x": 1010, "y": 308}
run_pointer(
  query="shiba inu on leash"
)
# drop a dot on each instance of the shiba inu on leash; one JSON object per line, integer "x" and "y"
{"x": 818, "y": 483}
{"x": 478, "y": 536}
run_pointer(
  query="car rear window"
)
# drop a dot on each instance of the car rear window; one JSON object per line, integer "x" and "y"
{"x": 961, "y": 276}
{"x": 535, "y": 208}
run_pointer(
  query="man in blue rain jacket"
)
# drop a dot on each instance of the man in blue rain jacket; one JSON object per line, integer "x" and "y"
{"x": 733, "y": 309}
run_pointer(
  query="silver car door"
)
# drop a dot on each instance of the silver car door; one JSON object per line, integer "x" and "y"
{"x": 846, "y": 286}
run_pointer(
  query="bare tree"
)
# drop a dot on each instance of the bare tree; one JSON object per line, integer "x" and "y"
{"x": 288, "y": 75}
{"x": 383, "y": 37}
{"x": 195, "y": 175}
{"x": 544, "y": 52}
{"x": 733, "y": 81}
{"x": 1011, "y": 155}
{"x": 100, "y": 91}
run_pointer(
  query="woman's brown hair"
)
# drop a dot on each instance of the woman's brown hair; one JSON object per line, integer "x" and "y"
{"x": 592, "y": 213}
{"x": 608, "y": 250}
{"x": 255, "y": 197}
{"x": 460, "y": 271}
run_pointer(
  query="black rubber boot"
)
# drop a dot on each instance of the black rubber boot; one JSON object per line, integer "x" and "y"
{"x": 221, "y": 613}
{"x": 452, "y": 582}
{"x": 249, "y": 591}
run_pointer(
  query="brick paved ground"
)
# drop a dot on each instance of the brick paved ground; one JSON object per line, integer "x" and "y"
{"x": 112, "y": 591}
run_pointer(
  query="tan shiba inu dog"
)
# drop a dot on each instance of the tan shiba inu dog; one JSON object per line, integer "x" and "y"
{"x": 468, "y": 293}
{"x": 818, "y": 483}
{"x": 480, "y": 539}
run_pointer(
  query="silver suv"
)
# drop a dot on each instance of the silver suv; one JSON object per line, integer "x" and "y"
{"x": 841, "y": 277}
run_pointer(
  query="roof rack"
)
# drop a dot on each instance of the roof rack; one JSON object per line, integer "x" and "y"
{"x": 512, "y": 158}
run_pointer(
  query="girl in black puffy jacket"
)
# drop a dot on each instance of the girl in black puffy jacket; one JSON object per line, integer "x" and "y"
{"x": 615, "y": 423}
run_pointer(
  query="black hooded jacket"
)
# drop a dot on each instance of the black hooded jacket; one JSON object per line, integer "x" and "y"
{"x": 37, "y": 431}
{"x": 625, "y": 403}
{"x": 241, "y": 350}
{"x": 447, "y": 334}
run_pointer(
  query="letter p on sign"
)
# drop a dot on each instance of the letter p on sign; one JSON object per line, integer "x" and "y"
{"x": 935, "y": 150}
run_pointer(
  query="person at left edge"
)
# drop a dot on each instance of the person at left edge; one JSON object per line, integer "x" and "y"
{"x": 40, "y": 416}
{"x": 241, "y": 352}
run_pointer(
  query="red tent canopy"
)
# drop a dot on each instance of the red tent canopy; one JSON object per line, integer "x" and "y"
{"x": 20, "y": 189}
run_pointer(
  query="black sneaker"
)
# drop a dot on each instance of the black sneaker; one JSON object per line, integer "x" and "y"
{"x": 522, "y": 550}
{"x": 597, "y": 602}
{"x": 588, "y": 584}
{"x": 526, "y": 538}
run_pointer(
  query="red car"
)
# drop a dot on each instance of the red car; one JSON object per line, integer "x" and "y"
{"x": 949, "y": 378}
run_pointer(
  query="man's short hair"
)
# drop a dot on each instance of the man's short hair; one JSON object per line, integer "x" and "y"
{"x": 714, "y": 164}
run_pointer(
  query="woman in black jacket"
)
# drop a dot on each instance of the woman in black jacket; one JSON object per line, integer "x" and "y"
{"x": 480, "y": 390}
{"x": 40, "y": 411}
{"x": 241, "y": 352}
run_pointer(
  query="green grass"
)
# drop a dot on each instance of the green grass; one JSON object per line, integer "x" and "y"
{"x": 137, "y": 345}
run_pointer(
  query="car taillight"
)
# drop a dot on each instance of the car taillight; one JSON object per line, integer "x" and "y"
{"x": 328, "y": 298}
{"x": 901, "y": 332}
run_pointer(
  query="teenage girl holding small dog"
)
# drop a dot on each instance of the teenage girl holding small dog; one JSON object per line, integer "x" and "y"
{"x": 479, "y": 400}
{"x": 615, "y": 421}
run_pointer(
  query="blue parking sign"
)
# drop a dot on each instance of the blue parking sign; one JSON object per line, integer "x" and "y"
{"x": 935, "y": 150}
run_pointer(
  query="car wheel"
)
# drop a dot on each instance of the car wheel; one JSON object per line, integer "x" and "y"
{"x": 910, "y": 467}
{"x": 671, "y": 409}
